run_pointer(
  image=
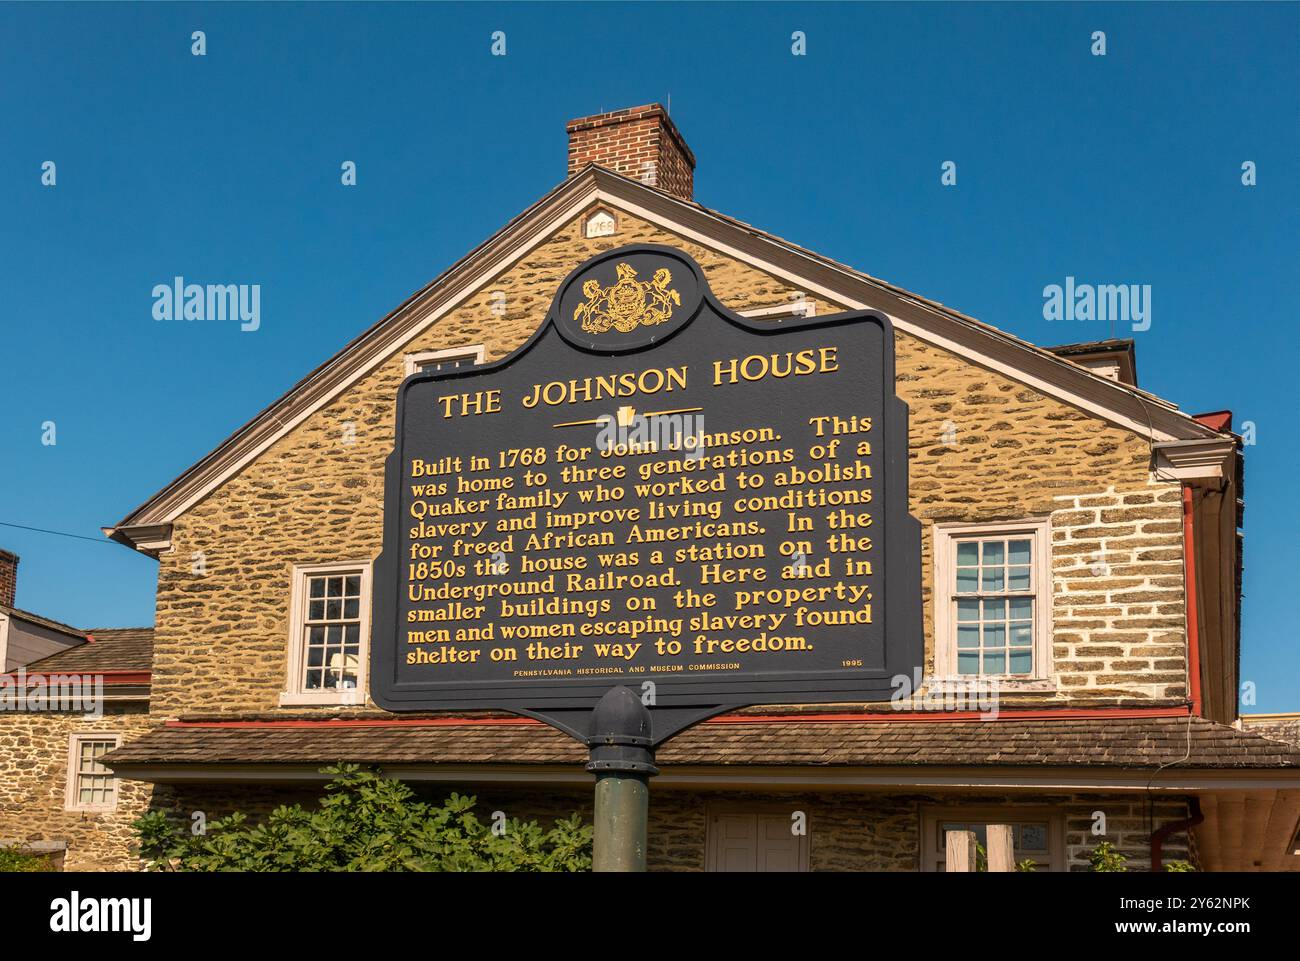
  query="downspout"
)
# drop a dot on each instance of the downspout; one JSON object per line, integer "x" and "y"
{"x": 1174, "y": 827}
{"x": 1193, "y": 626}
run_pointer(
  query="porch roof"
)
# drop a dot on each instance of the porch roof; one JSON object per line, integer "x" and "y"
{"x": 1128, "y": 742}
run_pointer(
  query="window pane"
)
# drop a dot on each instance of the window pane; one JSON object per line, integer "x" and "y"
{"x": 993, "y": 579}
{"x": 968, "y": 635}
{"x": 1022, "y": 661}
{"x": 995, "y": 635}
{"x": 1018, "y": 552}
{"x": 995, "y": 663}
{"x": 354, "y": 585}
{"x": 968, "y": 610}
{"x": 335, "y": 586}
{"x": 993, "y": 552}
{"x": 967, "y": 580}
{"x": 1022, "y": 608}
{"x": 1022, "y": 634}
{"x": 995, "y": 610}
{"x": 351, "y": 608}
{"x": 318, "y": 587}
{"x": 316, "y": 611}
{"x": 968, "y": 553}
{"x": 1033, "y": 837}
{"x": 1018, "y": 578}
{"x": 968, "y": 663}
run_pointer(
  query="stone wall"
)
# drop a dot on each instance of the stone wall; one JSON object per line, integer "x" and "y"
{"x": 847, "y": 831}
{"x": 982, "y": 448}
{"x": 34, "y": 778}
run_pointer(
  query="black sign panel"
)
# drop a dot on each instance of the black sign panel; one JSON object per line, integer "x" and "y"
{"x": 652, "y": 492}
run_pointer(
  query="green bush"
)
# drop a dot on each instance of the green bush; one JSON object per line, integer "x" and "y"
{"x": 1106, "y": 858}
{"x": 13, "y": 860}
{"x": 365, "y": 822}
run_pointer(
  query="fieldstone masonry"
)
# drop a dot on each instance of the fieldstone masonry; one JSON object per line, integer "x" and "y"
{"x": 34, "y": 778}
{"x": 1117, "y": 566}
{"x": 982, "y": 448}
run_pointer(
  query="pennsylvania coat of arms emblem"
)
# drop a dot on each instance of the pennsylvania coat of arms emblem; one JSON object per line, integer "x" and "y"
{"x": 628, "y": 303}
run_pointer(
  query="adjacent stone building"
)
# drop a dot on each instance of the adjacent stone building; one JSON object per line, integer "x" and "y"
{"x": 1110, "y": 517}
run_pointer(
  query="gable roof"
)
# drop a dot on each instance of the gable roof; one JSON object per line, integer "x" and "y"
{"x": 113, "y": 649}
{"x": 19, "y": 614}
{"x": 147, "y": 527}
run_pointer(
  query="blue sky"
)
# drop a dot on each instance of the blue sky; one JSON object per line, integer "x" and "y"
{"x": 225, "y": 169}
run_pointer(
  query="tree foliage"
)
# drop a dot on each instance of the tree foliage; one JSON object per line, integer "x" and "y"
{"x": 365, "y": 822}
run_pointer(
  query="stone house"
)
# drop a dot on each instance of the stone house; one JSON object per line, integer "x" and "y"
{"x": 1104, "y": 515}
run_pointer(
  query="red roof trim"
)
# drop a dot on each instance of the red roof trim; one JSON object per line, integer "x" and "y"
{"x": 894, "y": 716}
{"x": 110, "y": 677}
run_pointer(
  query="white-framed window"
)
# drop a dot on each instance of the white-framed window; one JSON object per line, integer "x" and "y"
{"x": 91, "y": 785}
{"x": 1037, "y": 833}
{"x": 993, "y": 601}
{"x": 449, "y": 359}
{"x": 329, "y": 634}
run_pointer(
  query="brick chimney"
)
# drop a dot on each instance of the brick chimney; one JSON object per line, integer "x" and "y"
{"x": 8, "y": 578}
{"x": 640, "y": 142}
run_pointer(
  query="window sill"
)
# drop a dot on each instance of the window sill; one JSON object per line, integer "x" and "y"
{"x": 356, "y": 698}
{"x": 1003, "y": 685}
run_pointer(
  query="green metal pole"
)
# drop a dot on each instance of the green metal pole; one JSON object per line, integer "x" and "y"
{"x": 622, "y": 758}
{"x": 622, "y": 808}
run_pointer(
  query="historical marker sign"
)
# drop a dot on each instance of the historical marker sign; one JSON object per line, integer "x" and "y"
{"x": 652, "y": 492}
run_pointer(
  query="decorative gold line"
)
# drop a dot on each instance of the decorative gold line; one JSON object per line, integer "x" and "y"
{"x": 653, "y": 413}
{"x": 679, "y": 410}
{"x": 578, "y": 423}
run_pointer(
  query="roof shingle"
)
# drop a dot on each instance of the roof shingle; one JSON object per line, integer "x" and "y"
{"x": 114, "y": 649}
{"x": 1092, "y": 743}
